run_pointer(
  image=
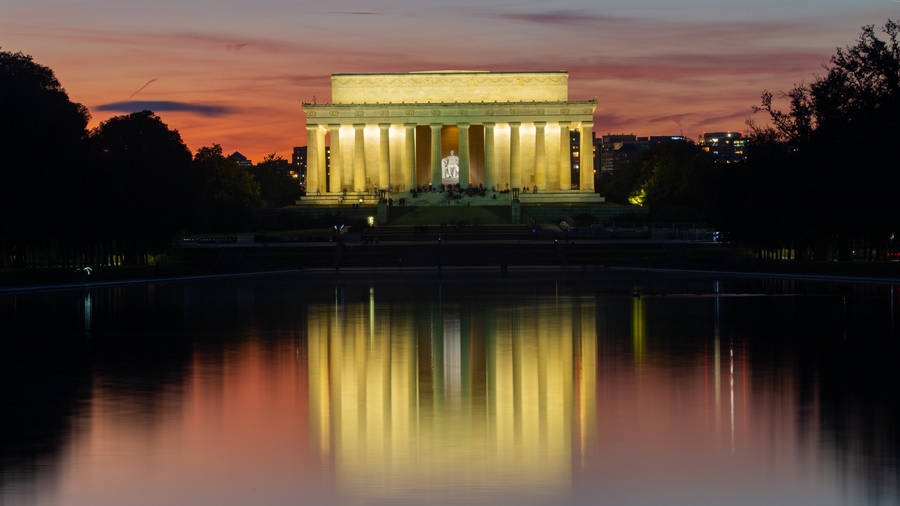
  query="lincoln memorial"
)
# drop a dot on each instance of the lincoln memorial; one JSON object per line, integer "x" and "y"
{"x": 399, "y": 132}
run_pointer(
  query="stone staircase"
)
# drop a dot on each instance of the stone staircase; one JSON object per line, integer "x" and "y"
{"x": 395, "y": 233}
{"x": 450, "y": 215}
{"x": 348, "y": 199}
{"x": 401, "y": 199}
{"x": 561, "y": 197}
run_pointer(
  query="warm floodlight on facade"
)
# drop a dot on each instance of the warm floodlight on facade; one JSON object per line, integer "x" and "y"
{"x": 371, "y": 220}
{"x": 388, "y": 131}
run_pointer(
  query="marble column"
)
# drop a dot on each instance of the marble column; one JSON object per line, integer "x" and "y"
{"x": 359, "y": 157}
{"x": 490, "y": 157}
{"x": 515, "y": 156}
{"x": 565, "y": 157}
{"x": 384, "y": 155}
{"x": 540, "y": 155}
{"x": 463, "y": 155}
{"x": 436, "y": 154}
{"x": 334, "y": 133}
{"x": 409, "y": 150}
{"x": 322, "y": 158}
{"x": 552, "y": 160}
{"x": 586, "y": 157}
{"x": 312, "y": 159}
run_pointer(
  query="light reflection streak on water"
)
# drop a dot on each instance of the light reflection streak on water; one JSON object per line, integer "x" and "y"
{"x": 731, "y": 390}
{"x": 637, "y": 324}
{"x": 88, "y": 310}
{"x": 372, "y": 314}
{"x": 717, "y": 359}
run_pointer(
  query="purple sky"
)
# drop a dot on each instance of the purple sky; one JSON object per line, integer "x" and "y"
{"x": 234, "y": 72}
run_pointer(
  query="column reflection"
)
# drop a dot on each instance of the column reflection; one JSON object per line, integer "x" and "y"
{"x": 458, "y": 399}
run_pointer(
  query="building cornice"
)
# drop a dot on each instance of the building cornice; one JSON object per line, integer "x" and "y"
{"x": 450, "y": 113}
{"x": 451, "y": 72}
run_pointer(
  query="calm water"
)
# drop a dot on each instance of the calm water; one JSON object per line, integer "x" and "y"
{"x": 477, "y": 389}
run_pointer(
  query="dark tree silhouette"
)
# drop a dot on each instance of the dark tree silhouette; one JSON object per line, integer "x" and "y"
{"x": 675, "y": 180}
{"x": 145, "y": 184}
{"x": 227, "y": 193}
{"x": 835, "y": 176}
{"x": 128, "y": 188}
{"x": 276, "y": 186}
{"x": 41, "y": 138}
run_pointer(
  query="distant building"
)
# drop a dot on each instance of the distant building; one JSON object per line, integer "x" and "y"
{"x": 298, "y": 159}
{"x": 575, "y": 155}
{"x": 726, "y": 147}
{"x": 613, "y": 158}
{"x": 298, "y": 163}
{"x": 658, "y": 139}
{"x": 616, "y": 149}
{"x": 241, "y": 160}
{"x": 610, "y": 139}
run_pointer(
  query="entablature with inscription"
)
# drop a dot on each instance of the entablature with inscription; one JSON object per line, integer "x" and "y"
{"x": 449, "y": 113}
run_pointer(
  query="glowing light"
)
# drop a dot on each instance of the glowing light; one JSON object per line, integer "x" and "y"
{"x": 638, "y": 197}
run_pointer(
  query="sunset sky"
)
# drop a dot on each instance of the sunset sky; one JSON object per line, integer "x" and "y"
{"x": 234, "y": 71}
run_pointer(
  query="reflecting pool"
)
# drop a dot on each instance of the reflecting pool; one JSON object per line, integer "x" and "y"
{"x": 607, "y": 388}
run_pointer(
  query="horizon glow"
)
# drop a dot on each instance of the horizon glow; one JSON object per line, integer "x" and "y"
{"x": 234, "y": 72}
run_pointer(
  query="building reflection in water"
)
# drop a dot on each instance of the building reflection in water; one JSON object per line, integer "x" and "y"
{"x": 458, "y": 401}
{"x": 673, "y": 398}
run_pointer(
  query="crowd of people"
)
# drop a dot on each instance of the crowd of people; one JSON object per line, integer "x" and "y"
{"x": 454, "y": 191}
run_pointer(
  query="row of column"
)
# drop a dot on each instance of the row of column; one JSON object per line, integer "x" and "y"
{"x": 545, "y": 176}
{"x": 352, "y": 175}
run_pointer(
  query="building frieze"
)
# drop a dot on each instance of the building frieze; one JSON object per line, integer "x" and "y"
{"x": 453, "y": 112}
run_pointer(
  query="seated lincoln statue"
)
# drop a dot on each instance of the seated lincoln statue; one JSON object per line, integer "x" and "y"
{"x": 450, "y": 169}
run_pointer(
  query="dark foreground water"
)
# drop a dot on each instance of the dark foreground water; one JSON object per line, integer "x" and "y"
{"x": 467, "y": 389}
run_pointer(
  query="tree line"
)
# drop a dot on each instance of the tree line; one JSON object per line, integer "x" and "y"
{"x": 116, "y": 193}
{"x": 821, "y": 178}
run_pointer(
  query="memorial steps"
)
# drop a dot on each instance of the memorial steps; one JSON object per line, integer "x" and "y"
{"x": 435, "y": 208}
{"x": 440, "y": 199}
{"x": 338, "y": 199}
{"x": 396, "y": 233}
{"x": 562, "y": 197}
{"x": 450, "y": 215}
